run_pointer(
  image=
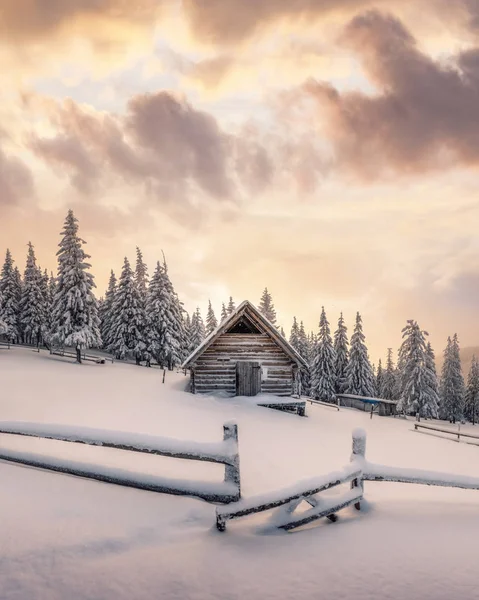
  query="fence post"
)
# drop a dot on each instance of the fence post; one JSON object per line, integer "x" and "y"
{"x": 232, "y": 472}
{"x": 359, "y": 454}
{"x": 164, "y": 374}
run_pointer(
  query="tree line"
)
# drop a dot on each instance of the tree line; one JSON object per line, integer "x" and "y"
{"x": 142, "y": 318}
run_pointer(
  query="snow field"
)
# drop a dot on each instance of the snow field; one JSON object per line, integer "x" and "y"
{"x": 65, "y": 537}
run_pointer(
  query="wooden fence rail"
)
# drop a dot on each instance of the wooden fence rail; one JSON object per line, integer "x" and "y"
{"x": 225, "y": 452}
{"x": 456, "y": 433}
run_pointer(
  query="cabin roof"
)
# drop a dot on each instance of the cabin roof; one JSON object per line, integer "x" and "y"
{"x": 248, "y": 309}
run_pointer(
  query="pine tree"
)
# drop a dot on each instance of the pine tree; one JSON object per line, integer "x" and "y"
{"x": 32, "y": 304}
{"x": 471, "y": 408}
{"x": 294, "y": 336}
{"x": 197, "y": 330}
{"x": 224, "y": 312}
{"x": 388, "y": 386}
{"x": 9, "y": 290}
{"x": 432, "y": 388}
{"x": 211, "y": 320}
{"x": 342, "y": 355}
{"x": 141, "y": 284}
{"x": 186, "y": 341}
{"x": 266, "y": 307}
{"x": 416, "y": 397}
{"x": 452, "y": 383}
{"x": 379, "y": 377}
{"x": 107, "y": 316}
{"x": 231, "y": 306}
{"x": 359, "y": 374}
{"x": 75, "y": 312}
{"x": 323, "y": 376}
{"x": 166, "y": 328}
{"x": 303, "y": 349}
{"x": 126, "y": 333}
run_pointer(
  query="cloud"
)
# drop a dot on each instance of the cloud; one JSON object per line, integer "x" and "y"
{"x": 16, "y": 181}
{"x": 33, "y": 19}
{"x": 181, "y": 155}
{"x": 231, "y": 21}
{"x": 423, "y": 114}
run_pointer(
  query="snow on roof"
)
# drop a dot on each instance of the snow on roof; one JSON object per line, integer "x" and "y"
{"x": 245, "y": 306}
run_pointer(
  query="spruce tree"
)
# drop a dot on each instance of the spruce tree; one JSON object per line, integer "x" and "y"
{"x": 294, "y": 335}
{"x": 379, "y": 377}
{"x": 323, "y": 376}
{"x": 107, "y": 316}
{"x": 211, "y": 320}
{"x": 231, "y": 306}
{"x": 224, "y": 312}
{"x": 452, "y": 383}
{"x": 266, "y": 307}
{"x": 75, "y": 319}
{"x": 166, "y": 328}
{"x": 127, "y": 337}
{"x": 431, "y": 379}
{"x": 471, "y": 407}
{"x": 388, "y": 387}
{"x": 141, "y": 283}
{"x": 197, "y": 330}
{"x": 303, "y": 349}
{"x": 342, "y": 355}
{"x": 9, "y": 290}
{"x": 416, "y": 397}
{"x": 32, "y": 304}
{"x": 359, "y": 374}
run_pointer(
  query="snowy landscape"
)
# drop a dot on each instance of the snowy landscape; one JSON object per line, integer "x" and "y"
{"x": 239, "y": 287}
{"x": 70, "y": 537}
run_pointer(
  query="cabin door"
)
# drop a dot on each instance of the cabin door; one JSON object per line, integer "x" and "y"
{"x": 248, "y": 378}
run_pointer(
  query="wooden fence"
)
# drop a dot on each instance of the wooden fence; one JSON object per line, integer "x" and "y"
{"x": 357, "y": 472}
{"x": 454, "y": 432}
{"x": 225, "y": 452}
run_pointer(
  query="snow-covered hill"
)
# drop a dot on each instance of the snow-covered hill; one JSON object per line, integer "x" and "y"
{"x": 65, "y": 537}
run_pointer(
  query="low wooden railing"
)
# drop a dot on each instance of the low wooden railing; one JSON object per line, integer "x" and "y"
{"x": 225, "y": 452}
{"x": 456, "y": 433}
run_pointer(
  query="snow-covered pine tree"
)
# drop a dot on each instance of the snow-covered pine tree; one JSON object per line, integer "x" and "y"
{"x": 197, "y": 330}
{"x": 294, "y": 336}
{"x": 452, "y": 383}
{"x": 471, "y": 407}
{"x": 379, "y": 377}
{"x": 231, "y": 306}
{"x": 323, "y": 376}
{"x": 141, "y": 283}
{"x": 9, "y": 290}
{"x": 211, "y": 320}
{"x": 75, "y": 319}
{"x": 359, "y": 374}
{"x": 107, "y": 317}
{"x": 224, "y": 312}
{"x": 303, "y": 349}
{"x": 32, "y": 304}
{"x": 166, "y": 330}
{"x": 388, "y": 387}
{"x": 266, "y": 307}
{"x": 126, "y": 332}
{"x": 342, "y": 355}
{"x": 416, "y": 397}
{"x": 431, "y": 379}
{"x": 186, "y": 341}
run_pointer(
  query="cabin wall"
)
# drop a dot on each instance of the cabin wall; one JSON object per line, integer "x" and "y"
{"x": 215, "y": 369}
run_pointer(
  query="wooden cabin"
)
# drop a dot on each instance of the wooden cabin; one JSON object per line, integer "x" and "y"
{"x": 245, "y": 356}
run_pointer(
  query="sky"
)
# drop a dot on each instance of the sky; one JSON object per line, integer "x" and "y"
{"x": 326, "y": 149}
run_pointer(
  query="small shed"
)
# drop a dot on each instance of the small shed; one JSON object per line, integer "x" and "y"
{"x": 245, "y": 356}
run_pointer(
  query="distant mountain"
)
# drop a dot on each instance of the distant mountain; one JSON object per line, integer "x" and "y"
{"x": 466, "y": 359}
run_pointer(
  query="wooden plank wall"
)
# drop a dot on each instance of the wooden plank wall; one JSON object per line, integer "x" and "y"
{"x": 215, "y": 369}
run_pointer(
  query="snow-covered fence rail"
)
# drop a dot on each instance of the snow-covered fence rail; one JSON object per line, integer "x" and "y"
{"x": 375, "y": 472}
{"x": 454, "y": 432}
{"x": 224, "y": 452}
{"x": 289, "y": 498}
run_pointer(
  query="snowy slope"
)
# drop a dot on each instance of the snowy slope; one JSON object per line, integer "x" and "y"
{"x": 64, "y": 537}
